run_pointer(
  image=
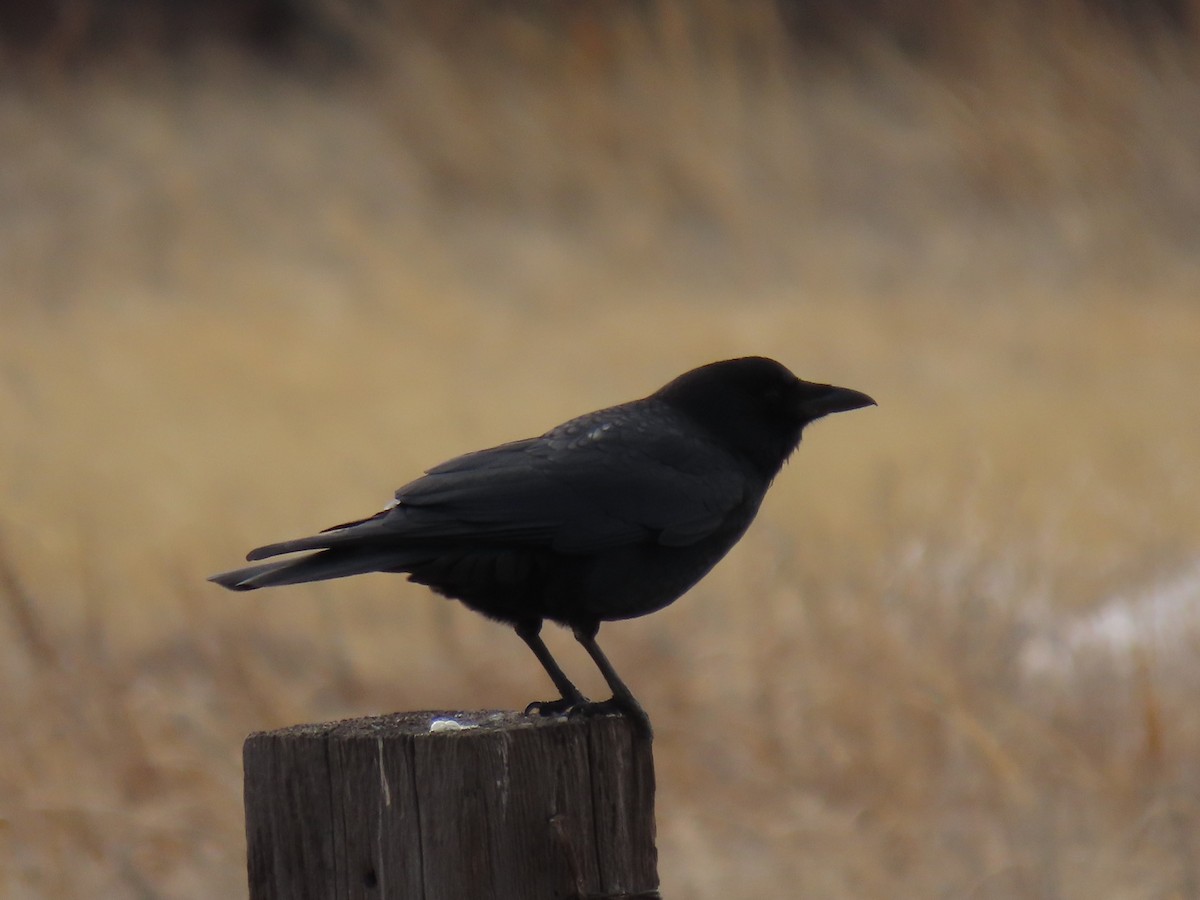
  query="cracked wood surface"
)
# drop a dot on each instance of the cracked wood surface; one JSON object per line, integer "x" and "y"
{"x": 451, "y": 806}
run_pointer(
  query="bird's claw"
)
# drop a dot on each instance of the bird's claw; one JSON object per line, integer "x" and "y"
{"x": 581, "y": 708}
{"x": 584, "y": 708}
{"x": 546, "y": 708}
{"x": 595, "y": 708}
{"x": 630, "y": 709}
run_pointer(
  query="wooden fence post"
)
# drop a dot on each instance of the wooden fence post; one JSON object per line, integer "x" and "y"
{"x": 451, "y": 806}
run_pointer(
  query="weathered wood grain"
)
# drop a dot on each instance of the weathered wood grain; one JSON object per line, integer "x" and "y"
{"x": 490, "y": 805}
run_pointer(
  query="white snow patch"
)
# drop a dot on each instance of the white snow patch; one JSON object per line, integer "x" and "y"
{"x": 1163, "y": 620}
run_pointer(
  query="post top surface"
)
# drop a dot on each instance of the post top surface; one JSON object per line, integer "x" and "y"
{"x": 431, "y": 722}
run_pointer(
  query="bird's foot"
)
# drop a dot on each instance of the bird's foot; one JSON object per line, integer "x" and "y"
{"x": 588, "y": 708}
{"x": 631, "y": 709}
{"x": 634, "y": 712}
{"x": 596, "y": 708}
{"x": 561, "y": 707}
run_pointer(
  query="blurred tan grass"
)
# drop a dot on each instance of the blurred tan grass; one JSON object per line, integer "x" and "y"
{"x": 240, "y": 306}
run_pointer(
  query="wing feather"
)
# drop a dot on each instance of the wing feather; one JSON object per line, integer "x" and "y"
{"x": 600, "y": 481}
{"x": 626, "y": 475}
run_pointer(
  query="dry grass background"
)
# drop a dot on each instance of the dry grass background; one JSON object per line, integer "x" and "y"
{"x": 246, "y": 297}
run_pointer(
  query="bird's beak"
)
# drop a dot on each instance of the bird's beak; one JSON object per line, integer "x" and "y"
{"x": 822, "y": 399}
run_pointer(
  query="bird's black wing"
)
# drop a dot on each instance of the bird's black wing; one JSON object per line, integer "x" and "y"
{"x": 632, "y": 474}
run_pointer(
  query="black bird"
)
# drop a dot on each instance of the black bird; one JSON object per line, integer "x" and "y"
{"x": 611, "y": 515}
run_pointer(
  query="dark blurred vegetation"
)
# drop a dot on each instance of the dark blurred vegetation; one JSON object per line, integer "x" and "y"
{"x": 74, "y": 31}
{"x": 729, "y": 140}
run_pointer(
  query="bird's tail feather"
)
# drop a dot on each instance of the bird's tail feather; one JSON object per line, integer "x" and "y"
{"x": 358, "y": 532}
{"x": 335, "y": 563}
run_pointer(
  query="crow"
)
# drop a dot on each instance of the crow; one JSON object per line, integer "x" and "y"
{"x": 611, "y": 515}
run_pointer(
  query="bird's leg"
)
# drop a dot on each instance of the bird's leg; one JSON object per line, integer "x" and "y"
{"x": 622, "y": 697}
{"x": 571, "y": 697}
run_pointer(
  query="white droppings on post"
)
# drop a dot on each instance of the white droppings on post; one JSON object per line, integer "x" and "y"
{"x": 439, "y": 726}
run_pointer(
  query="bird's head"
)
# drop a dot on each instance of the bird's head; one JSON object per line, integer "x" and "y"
{"x": 755, "y": 407}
